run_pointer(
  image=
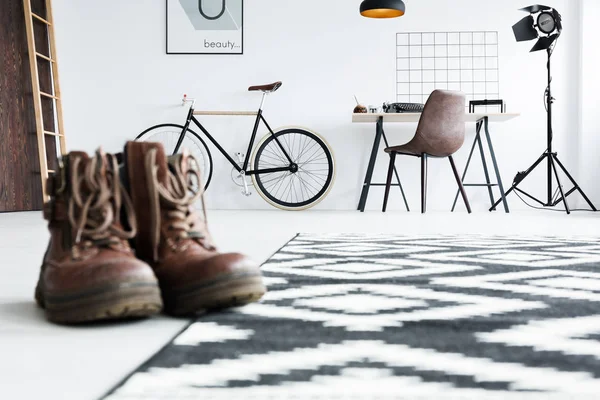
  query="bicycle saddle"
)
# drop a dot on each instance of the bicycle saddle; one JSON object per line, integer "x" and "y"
{"x": 266, "y": 88}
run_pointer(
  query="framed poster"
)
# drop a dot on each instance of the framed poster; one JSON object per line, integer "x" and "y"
{"x": 205, "y": 26}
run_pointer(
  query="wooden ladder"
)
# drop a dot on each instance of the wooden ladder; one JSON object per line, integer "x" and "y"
{"x": 54, "y": 95}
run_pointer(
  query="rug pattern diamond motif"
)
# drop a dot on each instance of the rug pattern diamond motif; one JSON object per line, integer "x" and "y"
{"x": 388, "y": 316}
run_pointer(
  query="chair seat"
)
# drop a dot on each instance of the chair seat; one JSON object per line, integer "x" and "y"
{"x": 408, "y": 149}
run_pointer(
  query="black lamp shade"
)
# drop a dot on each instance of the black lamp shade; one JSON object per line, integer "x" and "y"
{"x": 524, "y": 29}
{"x": 544, "y": 43}
{"x": 535, "y": 8}
{"x": 558, "y": 19}
{"x": 382, "y": 8}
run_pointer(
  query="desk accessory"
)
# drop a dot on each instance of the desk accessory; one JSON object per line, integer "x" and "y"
{"x": 399, "y": 108}
{"x": 359, "y": 109}
{"x": 476, "y": 103}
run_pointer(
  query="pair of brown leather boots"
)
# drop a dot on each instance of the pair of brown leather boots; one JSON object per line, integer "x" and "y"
{"x": 126, "y": 241}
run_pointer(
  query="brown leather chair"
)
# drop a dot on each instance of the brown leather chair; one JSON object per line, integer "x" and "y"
{"x": 441, "y": 133}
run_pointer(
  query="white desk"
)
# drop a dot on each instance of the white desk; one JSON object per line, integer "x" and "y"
{"x": 414, "y": 117}
{"x": 480, "y": 119}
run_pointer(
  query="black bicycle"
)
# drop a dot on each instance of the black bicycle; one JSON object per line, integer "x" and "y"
{"x": 292, "y": 168}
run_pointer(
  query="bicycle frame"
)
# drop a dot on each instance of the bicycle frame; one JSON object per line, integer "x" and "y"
{"x": 244, "y": 169}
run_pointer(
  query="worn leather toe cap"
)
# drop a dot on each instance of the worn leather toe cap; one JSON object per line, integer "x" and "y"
{"x": 105, "y": 271}
{"x": 193, "y": 271}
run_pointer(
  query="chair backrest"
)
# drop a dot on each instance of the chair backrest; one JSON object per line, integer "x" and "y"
{"x": 441, "y": 130}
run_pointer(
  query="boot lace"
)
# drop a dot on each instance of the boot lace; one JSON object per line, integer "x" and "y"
{"x": 95, "y": 204}
{"x": 178, "y": 198}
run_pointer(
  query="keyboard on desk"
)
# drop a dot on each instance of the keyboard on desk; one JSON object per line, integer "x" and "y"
{"x": 399, "y": 108}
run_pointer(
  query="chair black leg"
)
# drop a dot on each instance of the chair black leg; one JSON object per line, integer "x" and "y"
{"x": 388, "y": 184}
{"x": 423, "y": 183}
{"x": 460, "y": 184}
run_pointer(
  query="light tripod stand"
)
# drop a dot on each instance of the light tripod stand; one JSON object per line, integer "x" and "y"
{"x": 549, "y": 21}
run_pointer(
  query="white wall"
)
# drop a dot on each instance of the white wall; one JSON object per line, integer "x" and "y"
{"x": 590, "y": 129}
{"x": 117, "y": 80}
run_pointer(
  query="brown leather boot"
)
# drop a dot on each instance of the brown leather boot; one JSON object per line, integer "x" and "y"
{"x": 89, "y": 271}
{"x": 174, "y": 240}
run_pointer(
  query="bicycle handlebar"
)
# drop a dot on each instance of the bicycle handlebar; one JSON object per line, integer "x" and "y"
{"x": 185, "y": 100}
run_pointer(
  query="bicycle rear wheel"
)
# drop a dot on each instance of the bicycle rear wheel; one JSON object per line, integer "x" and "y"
{"x": 168, "y": 135}
{"x": 300, "y": 190}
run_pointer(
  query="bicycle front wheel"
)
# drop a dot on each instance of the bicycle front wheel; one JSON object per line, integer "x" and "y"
{"x": 168, "y": 135}
{"x": 300, "y": 190}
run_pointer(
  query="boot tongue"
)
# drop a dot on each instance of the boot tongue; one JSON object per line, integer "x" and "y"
{"x": 135, "y": 153}
{"x": 161, "y": 162}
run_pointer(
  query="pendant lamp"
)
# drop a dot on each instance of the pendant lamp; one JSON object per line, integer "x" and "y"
{"x": 382, "y": 8}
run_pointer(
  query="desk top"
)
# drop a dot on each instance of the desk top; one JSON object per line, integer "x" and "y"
{"x": 414, "y": 117}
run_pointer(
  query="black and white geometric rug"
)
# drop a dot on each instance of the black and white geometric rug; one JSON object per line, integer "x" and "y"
{"x": 398, "y": 317}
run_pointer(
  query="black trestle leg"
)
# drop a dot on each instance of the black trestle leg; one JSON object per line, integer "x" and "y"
{"x": 388, "y": 184}
{"x": 460, "y": 184}
{"x": 477, "y": 140}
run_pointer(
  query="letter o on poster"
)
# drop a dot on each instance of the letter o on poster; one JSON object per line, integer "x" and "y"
{"x": 205, "y": 26}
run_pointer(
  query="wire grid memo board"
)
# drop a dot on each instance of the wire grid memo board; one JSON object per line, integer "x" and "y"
{"x": 464, "y": 61}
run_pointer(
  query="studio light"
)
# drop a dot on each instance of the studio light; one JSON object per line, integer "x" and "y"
{"x": 547, "y": 27}
{"x": 382, "y": 8}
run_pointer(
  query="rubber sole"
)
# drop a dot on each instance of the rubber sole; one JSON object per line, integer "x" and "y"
{"x": 118, "y": 302}
{"x": 230, "y": 291}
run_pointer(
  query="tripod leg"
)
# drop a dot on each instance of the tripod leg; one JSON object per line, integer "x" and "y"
{"x": 562, "y": 192}
{"x": 514, "y": 186}
{"x": 574, "y": 182}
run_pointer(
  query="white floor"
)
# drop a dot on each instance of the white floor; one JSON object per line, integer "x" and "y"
{"x": 41, "y": 360}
